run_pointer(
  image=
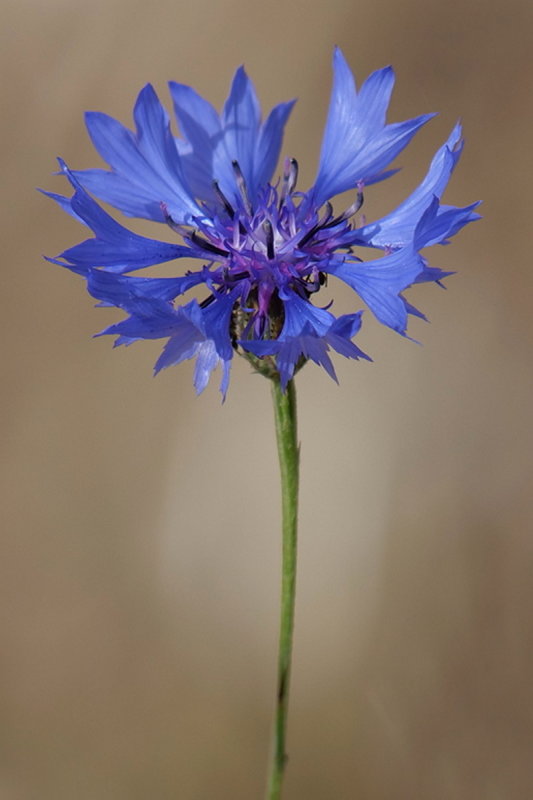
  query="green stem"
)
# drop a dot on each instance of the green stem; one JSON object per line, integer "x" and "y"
{"x": 285, "y": 418}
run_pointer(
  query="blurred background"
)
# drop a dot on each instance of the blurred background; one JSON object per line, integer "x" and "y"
{"x": 140, "y": 552}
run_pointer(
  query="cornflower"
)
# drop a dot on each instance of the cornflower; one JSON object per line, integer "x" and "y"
{"x": 264, "y": 249}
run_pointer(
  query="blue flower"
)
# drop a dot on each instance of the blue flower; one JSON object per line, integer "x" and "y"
{"x": 263, "y": 249}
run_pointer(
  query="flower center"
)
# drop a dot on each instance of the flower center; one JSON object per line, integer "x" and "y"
{"x": 282, "y": 243}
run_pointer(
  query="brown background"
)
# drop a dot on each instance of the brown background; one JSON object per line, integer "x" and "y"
{"x": 139, "y": 570}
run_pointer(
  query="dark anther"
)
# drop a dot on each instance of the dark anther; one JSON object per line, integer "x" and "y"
{"x": 350, "y": 211}
{"x": 309, "y": 235}
{"x": 241, "y": 183}
{"x": 224, "y": 200}
{"x": 267, "y": 227}
{"x": 207, "y": 301}
{"x": 327, "y": 222}
{"x": 205, "y": 245}
{"x": 290, "y": 177}
{"x": 238, "y": 276}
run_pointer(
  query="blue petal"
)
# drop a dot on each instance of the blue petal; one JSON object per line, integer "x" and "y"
{"x": 300, "y": 313}
{"x": 308, "y": 345}
{"x": 240, "y": 119}
{"x": 384, "y": 149}
{"x": 117, "y": 146}
{"x": 146, "y": 163}
{"x": 213, "y": 143}
{"x": 114, "y": 247}
{"x": 309, "y": 332}
{"x": 380, "y": 282}
{"x": 207, "y": 360}
{"x": 224, "y": 382}
{"x": 374, "y": 97}
{"x": 269, "y": 144}
{"x": 198, "y": 120}
{"x": 198, "y": 170}
{"x": 200, "y": 124}
{"x": 217, "y": 323}
{"x": 342, "y": 332}
{"x": 188, "y": 334}
{"x": 445, "y": 223}
{"x": 289, "y": 350}
{"x": 432, "y": 275}
{"x": 397, "y": 228}
{"x": 191, "y": 330}
{"x": 121, "y": 193}
{"x": 347, "y": 326}
{"x": 151, "y": 321}
{"x": 123, "y": 291}
{"x": 155, "y": 141}
{"x": 65, "y": 204}
{"x": 190, "y": 340}
{"x": 411, "y": 309}
{"x": 357, "y": 144}
{"x": 438, "y": 223}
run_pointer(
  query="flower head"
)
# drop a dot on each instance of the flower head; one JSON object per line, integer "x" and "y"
{"x": 264, "y": 249}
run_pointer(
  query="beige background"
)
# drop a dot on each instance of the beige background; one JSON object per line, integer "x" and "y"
{"x": 139, "y": 570}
